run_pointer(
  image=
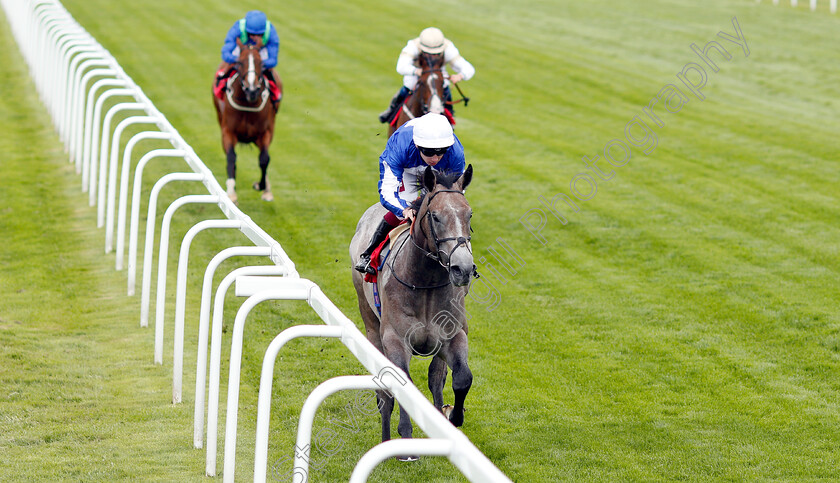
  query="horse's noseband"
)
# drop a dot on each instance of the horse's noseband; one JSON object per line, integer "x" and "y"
{"x": 431, "y": 69}
{"x": 439, "y": 255}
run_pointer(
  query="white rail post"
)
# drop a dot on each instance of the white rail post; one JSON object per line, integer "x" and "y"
{"x": 78, "y": 53}
{"x": 215, "y": 373}
{"x": 75, "y": 117}
{"x": 91, "y": 134}
{"x": 257, "y": 289}
{"x": 148, "y": 251}
{"x": 113, "y": 168}
{"x": 267, "y": 380}
{"x": 135, "y": 208}
{"x": 108, "y": 157}
{"x": 201, "y": 362}
{"x": 181, "y": 294}
{"x": 310, "y": 408}
{"x": 397, "y": 447}
{"x": 94, "y": 150}
{"x": 67, "y": 45}
{"x": 124, "y": 175}
{"x": 163, "y": 257}
{"x": 204, "y": 315}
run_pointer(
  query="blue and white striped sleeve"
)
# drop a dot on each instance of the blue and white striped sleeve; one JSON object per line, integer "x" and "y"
{"x": 390, "y": 182}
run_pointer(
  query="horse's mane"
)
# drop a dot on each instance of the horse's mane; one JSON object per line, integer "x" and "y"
{"x": 445, "y": 178}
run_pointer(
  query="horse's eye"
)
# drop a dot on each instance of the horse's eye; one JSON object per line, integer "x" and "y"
{"x": 435, "y": 217}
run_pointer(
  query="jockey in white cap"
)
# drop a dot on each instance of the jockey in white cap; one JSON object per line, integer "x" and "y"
{"x": 430, "y": 41}
{"x": 424, "y": 141}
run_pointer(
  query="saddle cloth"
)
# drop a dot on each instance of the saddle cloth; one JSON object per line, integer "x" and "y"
{"x": 380, "y": 254}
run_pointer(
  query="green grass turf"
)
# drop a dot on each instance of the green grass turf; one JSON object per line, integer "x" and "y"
{"x": 681, "y": 326}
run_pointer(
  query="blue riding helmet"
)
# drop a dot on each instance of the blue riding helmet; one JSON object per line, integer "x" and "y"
{"x": 255, "y": 22}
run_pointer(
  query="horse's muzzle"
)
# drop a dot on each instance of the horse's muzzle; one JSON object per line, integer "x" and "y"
{"x": 459, "y": 276}
{"x": 251, "y": 94}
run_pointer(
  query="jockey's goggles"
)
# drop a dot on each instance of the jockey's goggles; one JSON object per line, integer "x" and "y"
{"x": 432, "y": 151}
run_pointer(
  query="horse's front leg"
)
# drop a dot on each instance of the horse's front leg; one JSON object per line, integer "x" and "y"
{"x": 437, "y": 379}
{"x": 229, "y": 145}
{"x": 461, "y": 375}
{"x": 397, "y": 352}
{"x": 385, "y": 401}
{"x": 262, "y": 185}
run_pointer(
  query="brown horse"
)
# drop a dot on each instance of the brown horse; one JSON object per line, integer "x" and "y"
{"x": 422, "y": 289}
{"x": 246, "y": 115}
{"x": 427, "y": 95}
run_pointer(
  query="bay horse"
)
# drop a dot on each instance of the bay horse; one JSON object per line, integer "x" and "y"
{"x": 246, "y": 115}
{"x": 422, "y": 288}
{"x": 427, "y": 95}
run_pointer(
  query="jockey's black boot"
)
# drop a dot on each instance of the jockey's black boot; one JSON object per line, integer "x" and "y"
{"x": 378, "y": 236}
{"x": 398, "y": 98}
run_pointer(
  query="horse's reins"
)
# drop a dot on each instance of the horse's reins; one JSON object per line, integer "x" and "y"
{"x": 437, "y": 241}
{"x": 463, "y": 98}
{"x": 432, "y": 70}
{"x": 240, "y": 107}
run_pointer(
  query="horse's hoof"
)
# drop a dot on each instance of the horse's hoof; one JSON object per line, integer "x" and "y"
{"x": 456, "y": 419}
{"x": 409, "y": 458}
{"x": 231, "y": 192}
{"x": 266, "y": 192}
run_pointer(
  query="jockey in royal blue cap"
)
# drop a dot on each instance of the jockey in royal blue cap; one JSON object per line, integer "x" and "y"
{"x": 425, "y": 141}
{"x": 250, "y": 30}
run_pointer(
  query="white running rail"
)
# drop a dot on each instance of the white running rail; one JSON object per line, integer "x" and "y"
{"x": 832, "y": 4}
{"x": 75, "y": 76}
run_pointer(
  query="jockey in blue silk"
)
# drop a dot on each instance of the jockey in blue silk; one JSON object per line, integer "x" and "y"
{"x": 421, "y": 142}
{"x": 253, "y": 28}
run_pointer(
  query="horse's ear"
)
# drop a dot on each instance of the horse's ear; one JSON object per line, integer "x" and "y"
{"x": 239, "y": 43}
{"x": 466, "y": 178}
{"x": 259, "y": 43}
{"x": 429, "y": 179}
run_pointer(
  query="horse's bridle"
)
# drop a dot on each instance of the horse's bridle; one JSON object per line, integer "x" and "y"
{"x": 431, "y": 70}
{"x": 260, "y": 83}
{"x": 437, "y": 254}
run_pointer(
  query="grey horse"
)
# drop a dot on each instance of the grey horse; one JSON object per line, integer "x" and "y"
{"x": 422, "y": 288}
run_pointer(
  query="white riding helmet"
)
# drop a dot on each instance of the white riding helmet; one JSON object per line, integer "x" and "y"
{"x": 433, "y": 131}
{"x": 431, "y": 41}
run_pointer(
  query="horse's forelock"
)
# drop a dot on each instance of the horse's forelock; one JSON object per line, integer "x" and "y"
{"x": 432, "y": 61}
{"x": 447, "y": 178}
{"x": 444, "y": 179}
{"x": 248, "y": 51}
